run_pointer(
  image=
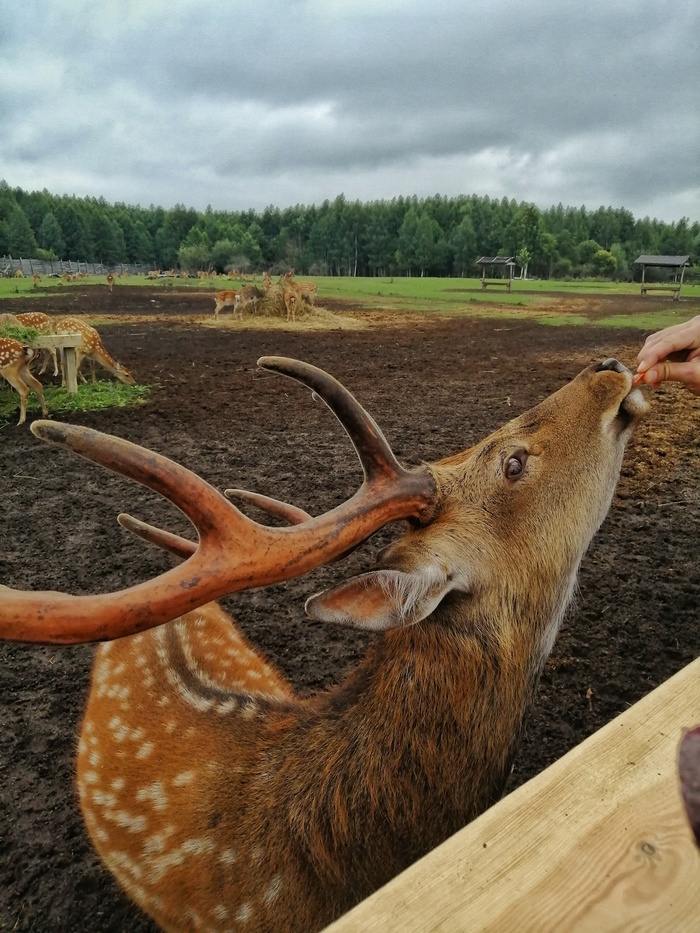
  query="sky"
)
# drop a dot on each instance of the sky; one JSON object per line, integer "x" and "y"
{"x": 241, "y": 104}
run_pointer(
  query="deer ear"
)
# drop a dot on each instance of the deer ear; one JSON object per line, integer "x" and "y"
{"x": 383, "y": 599}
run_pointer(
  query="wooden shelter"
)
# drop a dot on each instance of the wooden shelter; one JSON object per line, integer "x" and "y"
{"x": 597, "y": 843}
{"x": 677, "y": 263}
{"x": 494, "y": 264}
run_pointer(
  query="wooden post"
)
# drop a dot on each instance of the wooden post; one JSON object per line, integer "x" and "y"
{"x": 67, "y": 344}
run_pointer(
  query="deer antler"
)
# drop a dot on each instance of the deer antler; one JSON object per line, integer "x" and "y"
{"x": 234, "y": 552}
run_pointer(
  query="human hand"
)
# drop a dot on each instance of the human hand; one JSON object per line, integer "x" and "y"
{"x": 672, "y": 354}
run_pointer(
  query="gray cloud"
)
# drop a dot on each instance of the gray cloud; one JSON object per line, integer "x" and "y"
{"x": 245, "y": 104}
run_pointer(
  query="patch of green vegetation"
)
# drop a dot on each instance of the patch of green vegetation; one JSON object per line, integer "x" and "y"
{"x": 91, "y": 397}
{"x": 654, "y": 320}
{"x": 562, "y": 320}
{"x": 24, "y": 335}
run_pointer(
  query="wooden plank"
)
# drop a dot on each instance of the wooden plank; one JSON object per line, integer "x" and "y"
{"x": 597, "y": 842}
{"x": 67, "y": 344}
{"x": 58, "y": 341}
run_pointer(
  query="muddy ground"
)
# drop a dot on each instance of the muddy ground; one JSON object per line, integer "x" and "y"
{"x": 435, "y": 386}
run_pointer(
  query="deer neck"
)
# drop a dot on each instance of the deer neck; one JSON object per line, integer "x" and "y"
{"x": 428, "y": 724}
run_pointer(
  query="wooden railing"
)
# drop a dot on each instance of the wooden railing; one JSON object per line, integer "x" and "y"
{"x": 596, "y": 843}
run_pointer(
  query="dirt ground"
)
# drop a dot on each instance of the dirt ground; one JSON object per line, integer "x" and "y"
{"x": 435, "y": 386}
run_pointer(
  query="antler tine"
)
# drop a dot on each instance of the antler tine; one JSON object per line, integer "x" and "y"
{"x": 190, "y": 493}
{"x": 234, "y": 553}
{"x": 166, "y": 540}
{"x": 376, "y": 456}
{"x": 290, "y": 513}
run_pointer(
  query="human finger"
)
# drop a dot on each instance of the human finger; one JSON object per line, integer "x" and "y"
{"x": 687, "y": 373}
{"x": 674, "y": 339}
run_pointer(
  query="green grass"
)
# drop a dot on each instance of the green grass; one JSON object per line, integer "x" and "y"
{"x": 91, "y": 397}
{"x": 652, "y": 320}
{"x": 25, "y": 335}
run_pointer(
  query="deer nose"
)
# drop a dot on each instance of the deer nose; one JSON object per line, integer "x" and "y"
{"x": 613, "y": 365}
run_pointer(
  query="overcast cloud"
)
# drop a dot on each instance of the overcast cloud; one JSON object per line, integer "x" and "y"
{"x": 242, "y": 104}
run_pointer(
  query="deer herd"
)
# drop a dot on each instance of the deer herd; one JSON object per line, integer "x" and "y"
{"x": 293, "y": 293}
{"x": 16, "y": 359}
{"x": 219, "y": 798}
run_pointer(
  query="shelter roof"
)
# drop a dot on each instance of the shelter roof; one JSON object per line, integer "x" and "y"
{"x": 495, "y": 261}
{"x": 662, "y": 260}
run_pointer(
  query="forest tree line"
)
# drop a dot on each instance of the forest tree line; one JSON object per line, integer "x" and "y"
{"x": 436, "y": 236}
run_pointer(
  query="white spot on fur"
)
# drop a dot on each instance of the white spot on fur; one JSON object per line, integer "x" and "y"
{"x": 185, "y": 777}
{"x": 155, "y": 793}
{"x": 273, "y": 889}
{"x": 145, "y": 750}
{"x": 244, "y": 913}
{"x": 227, "y": 856}
{"x": 220, "y": 912}
{"x": 118, "y": 784}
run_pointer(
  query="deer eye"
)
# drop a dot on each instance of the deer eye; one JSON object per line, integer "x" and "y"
{"x": 514, "y": 465}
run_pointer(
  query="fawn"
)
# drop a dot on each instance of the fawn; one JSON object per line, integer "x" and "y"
{"x": 218, "y": 798}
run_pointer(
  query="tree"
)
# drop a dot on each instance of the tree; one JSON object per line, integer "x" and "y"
{"x": 19, "y": 234}
{"x": 463, "y": 242}
{"x": 604, "y": 263}
{"x": 51, "y": 236}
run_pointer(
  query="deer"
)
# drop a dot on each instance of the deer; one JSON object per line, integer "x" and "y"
{"x": 110, "y": 281}
{"x": 291, "y": 300}
{"x": 14, "y": 366}
{"x": 220, "y": 799}
{"x": 45, "y": 325}
{"x": 266, "y": 281}
{"x": 248, "y": 295}
{"x": 93, "y": 349}
{"x": 225, "y": 299}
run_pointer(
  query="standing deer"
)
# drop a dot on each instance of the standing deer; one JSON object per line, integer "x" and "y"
{"x": 221, "y": 800}
{"x": 93, "y": 349}
{"x": 225, "y": 299}
{"x": 14, "y": 366}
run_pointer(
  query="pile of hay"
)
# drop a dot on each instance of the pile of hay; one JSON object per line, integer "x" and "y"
{"x": 271, "y": 314}
{"x": 272, "y": 305}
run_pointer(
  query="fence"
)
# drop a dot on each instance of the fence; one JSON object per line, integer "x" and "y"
{"x": 57, "y": 267}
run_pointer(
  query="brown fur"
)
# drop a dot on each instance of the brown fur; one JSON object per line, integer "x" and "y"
{"x": 218, "y": 798}
{"x": 14, "y": 366}
{"x": 93, "y": 349}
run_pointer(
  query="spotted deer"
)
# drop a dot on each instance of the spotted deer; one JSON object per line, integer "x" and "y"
{"x": 248, "y": 296}
{"x": 45, "y": 325}
{"x": 225, "y": 299}
{"x": 92, "y": 349}
{"x": 14, "y": 366}
{"x": 220, "y": 799}
{"x": 291, "y": 302}
{"x": 110, "y": 282}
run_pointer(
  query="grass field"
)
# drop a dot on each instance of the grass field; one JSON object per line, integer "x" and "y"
{"x": 554, "y": 303}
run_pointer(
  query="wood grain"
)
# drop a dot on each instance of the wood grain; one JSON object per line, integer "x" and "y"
{"x": 598, "y": 842}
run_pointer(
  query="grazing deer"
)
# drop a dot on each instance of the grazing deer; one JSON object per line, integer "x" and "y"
{"x": 93, "y": 349}
{"x": 14, "y": 366}
{"x": 45, "y": 325}
{"x": 36, "y": 279}
{"x": 248, "y": 295}
{"x": 221, "y": 800}
{"x": 225, "y": 299}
